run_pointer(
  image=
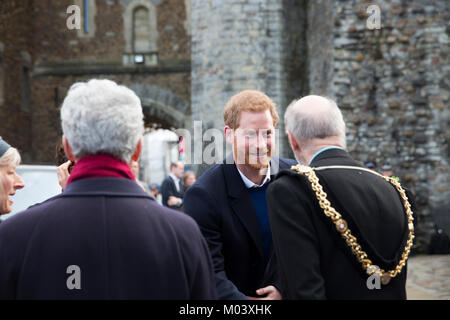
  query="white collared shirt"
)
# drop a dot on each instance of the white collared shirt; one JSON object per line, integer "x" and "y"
{"x": 176, "y": 180}
{"x": 250, "y": 184}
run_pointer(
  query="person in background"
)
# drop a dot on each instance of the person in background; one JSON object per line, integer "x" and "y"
{"x": 10, "y": 181}
{"x": 154, "y": 190}
{"x": 134, "y": 166}
{"x": 172, "y": 189}
{"x": 64, "y": 165}
{"x": 370, "y": 165}
{"x": 188, "y": 179}
{"x": 386, "y": 170}
{"x": 103, "y": 237}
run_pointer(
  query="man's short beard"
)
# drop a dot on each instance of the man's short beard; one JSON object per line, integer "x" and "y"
{"x": 256, "y": 166}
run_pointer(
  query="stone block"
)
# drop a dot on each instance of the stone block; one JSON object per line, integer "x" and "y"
{"x": 394, "y": 104}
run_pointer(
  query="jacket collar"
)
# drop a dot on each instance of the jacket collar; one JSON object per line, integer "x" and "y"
{"x": 107, "y": 186}
{"x": 338, "y": 156}
{"x": 235, "y": 185}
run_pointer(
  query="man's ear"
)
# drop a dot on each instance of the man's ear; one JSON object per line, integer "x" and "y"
{"x": 294, "y": 144}
{"x": 137, "y": 152}
{"x": 68, "y": 149}
{"x": 229, "y": 134}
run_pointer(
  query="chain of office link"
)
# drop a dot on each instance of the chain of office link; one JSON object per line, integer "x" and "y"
{"x": 342, "y": 226}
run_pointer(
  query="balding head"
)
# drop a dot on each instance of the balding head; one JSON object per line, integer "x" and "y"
{"x": 315, "y": 121}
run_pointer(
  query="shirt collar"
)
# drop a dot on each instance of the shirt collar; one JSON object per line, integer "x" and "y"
{"x": 250, "y": 184}
{"x": 176, "y": 180}
{"x": 322, "y": 150}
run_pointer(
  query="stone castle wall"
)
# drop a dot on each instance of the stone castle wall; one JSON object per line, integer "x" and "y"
{"x": 15, "y": 51}
{"x": 241, "y": 44}
{"x": 393, "y": 87}
{"x": 34, "y": 34}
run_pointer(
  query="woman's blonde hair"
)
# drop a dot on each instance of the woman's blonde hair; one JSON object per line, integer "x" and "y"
{"x": 187, "y": 174}
{"x": 11, "y": 156}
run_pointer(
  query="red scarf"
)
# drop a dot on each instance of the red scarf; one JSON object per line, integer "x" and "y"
{"x": 100, "y": 165}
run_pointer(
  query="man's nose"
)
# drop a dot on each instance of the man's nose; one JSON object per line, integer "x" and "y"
{"x": 262, "y": 141}
{"x": 18, "y": 183}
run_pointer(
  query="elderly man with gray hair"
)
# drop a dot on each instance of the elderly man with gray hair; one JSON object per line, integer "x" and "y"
{"x": 340, "y": 230}
{"x": 103, "y": 237}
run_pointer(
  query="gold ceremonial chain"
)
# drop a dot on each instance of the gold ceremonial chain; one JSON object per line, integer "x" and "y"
{"x": 342, "y": 226}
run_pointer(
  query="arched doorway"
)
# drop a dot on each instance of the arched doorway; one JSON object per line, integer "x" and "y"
{"x": 162, "y": 107}
{"x": 164, "y": 112}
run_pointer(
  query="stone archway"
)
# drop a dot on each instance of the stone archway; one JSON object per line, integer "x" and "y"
{"x": 163, "y": 106}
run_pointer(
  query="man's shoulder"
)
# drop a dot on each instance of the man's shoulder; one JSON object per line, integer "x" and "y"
{"x": 49, "y": 212}
{"x": 288, "y": 178}
{"x": 209, "y": 188}
{"x": 286, "y": 163}
{"x": 22, "y": 223}
{"x": 176, "y": 218}
{"x": 210, "y": 176}
{"x": 166, "y": 180}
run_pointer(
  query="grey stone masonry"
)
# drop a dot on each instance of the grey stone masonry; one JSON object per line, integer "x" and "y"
{"x": 392, "y": 84}
{"x": 244, "y": 44}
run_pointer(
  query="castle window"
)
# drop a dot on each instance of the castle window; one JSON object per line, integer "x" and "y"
{"x": 140, "y": 33}
{"x": 25, "y": 89}
{"x": 141, "y": 30}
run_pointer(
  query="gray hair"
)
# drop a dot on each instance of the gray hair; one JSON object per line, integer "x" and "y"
{"x": 314, "y": 120}
{"x": 10, "y": 157}
{"x": 101, "y": 117}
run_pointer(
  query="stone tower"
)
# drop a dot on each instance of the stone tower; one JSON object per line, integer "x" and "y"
{"x": 246, "y": 44}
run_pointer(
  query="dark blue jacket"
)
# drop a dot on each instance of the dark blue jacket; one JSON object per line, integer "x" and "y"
{"x": 168, "y": 189}
{"x": 221, "y": 205}
{"x": 125, "y": 245}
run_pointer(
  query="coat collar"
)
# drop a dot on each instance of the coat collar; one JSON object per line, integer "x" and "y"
{"x": 337, "y": 156}
{"x": 235, "y": 185}
{"x": 104, "y": 186}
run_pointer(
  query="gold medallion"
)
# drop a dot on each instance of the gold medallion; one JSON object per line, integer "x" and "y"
{"x": 385, "y": 278}
{"x": 341, "y": 225}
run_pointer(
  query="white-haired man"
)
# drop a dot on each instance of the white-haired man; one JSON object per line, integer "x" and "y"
{"x": 340, "y": 231}
{"x": 103, "y": 237}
